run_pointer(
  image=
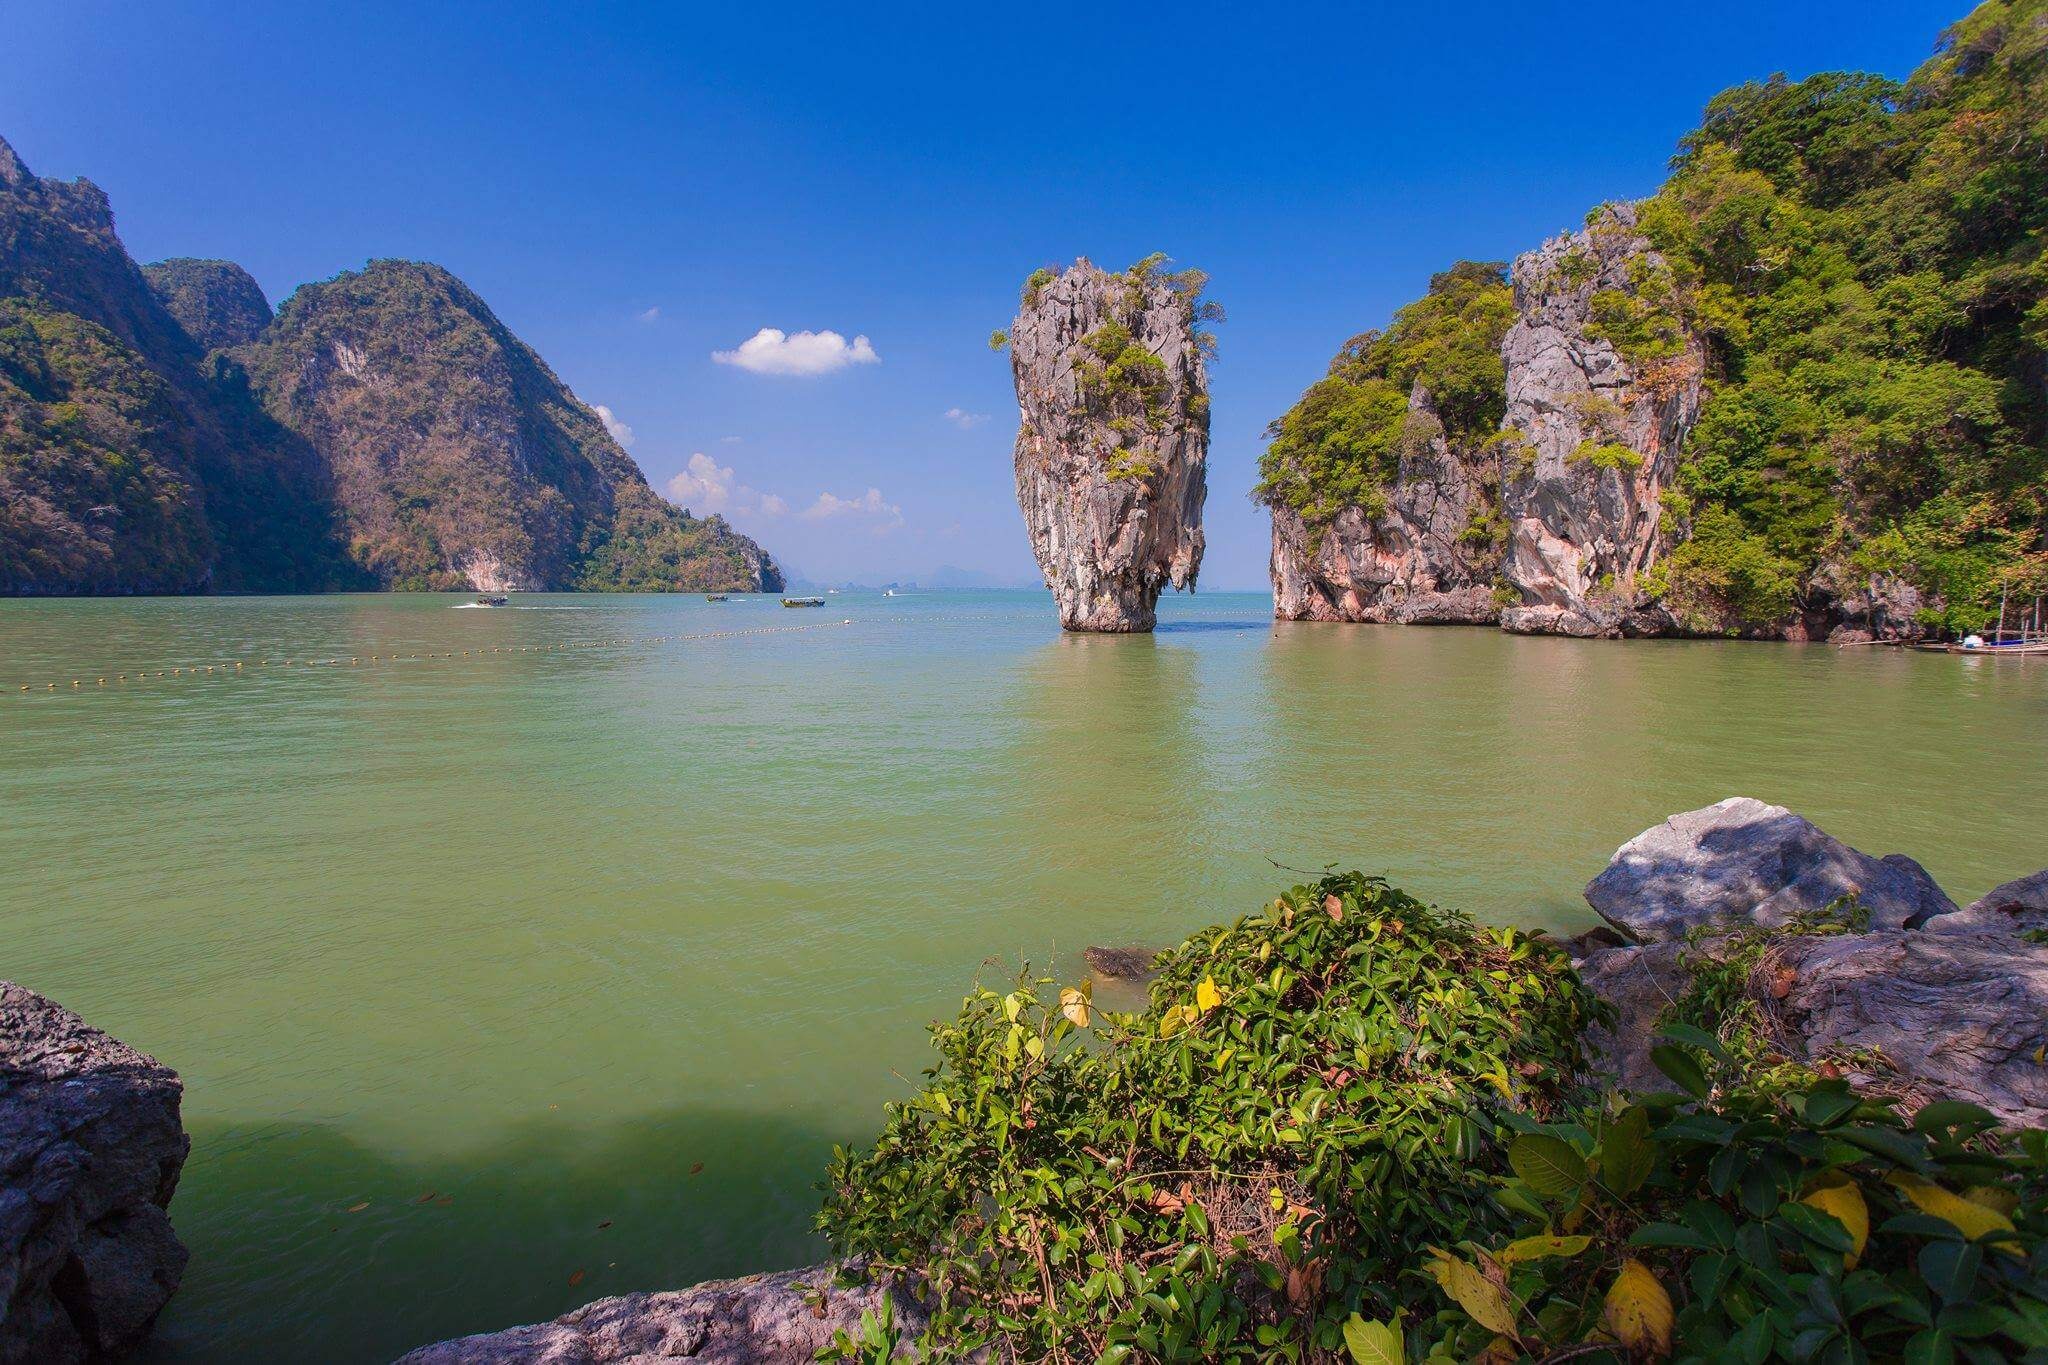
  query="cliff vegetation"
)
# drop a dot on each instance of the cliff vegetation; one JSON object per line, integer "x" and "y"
{"x": 1858, "y": 260}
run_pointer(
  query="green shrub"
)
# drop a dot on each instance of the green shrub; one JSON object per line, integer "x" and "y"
{"x": 1339, "y": 445}
{"x": 1758, "y": 1224}
{"x": 1035, "y": 281}
{"x": 1607, "y": 455}
{"x": 1233, "y": 1171}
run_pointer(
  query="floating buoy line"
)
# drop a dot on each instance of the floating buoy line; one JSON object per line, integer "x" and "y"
{"x": 244, "y": 667}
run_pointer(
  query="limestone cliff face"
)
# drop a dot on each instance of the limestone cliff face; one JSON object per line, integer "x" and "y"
{"x": 1418, "y": 562}
{"x": 1595, "y": 439}
{"x": 1113, "y": 440}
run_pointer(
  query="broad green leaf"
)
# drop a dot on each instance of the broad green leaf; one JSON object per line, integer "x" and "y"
{"x": 1626, "y": 1156}
{"x": 1638, "y": 1311}
{"x": 1681, "y": 1067}
{"x": 1374, "y": 1343}
{"x": 1550, "y": 1165}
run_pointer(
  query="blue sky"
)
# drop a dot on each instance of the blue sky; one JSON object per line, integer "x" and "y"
{"x": 636, "y": 187}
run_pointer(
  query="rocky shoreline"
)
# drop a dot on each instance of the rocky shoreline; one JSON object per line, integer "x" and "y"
{"x": 1858, "y": 966}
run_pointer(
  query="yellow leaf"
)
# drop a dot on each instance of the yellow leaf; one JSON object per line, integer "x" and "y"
{"x": 1207, "y": 997}
{"x": 1469, "y": 1288}
{"x": 1843, "y": 1202}
{"x": 1638, "y": 1311}
{"x": 1035, "y": 1046}
{"x": 1537, "y": 1248}
{"x": 1375, "y": 1343}
{"x": 1013, "y": 1004}
{"x": 1074, "y": 1004}
{"x": 1994, "y": 1197}
{"x": 1169, "y": 1023}
{"x": 1972, "y": 1219}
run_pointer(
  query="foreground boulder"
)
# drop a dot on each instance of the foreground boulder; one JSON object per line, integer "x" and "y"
{"x": 1911, "y": 1014}
{"x": 1741, "y": 862}
{"x": 1113, "y": 438}
{"x": 778, "y": 1319}
{"x": 2019, "y": 906}
{"x": 90, "y": 1151}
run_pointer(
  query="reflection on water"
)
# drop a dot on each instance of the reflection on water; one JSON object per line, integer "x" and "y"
{"x": 542, "y": 931}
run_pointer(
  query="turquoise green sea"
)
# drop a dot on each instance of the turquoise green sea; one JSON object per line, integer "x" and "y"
{"x": 506, "y": 981}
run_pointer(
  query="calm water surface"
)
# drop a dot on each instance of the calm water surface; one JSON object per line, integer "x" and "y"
{"x": 507, "y": 946}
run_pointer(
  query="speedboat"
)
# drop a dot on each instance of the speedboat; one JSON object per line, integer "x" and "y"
{"x": 491, "y": 600}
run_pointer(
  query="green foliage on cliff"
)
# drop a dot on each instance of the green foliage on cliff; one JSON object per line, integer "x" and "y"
{"x": 1341, "y": 444}
{"x": 1864, "y": 258}
{"x": 129, "y": 462}
{"x": 455, "y": 445}
{"x": 1311, "y": 1094}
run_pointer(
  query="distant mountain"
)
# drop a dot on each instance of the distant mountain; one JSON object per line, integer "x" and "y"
{"x": 161, "y": 432}
{"x": 218, "y": 303}
{"x": 460, "y": 460}
{"x": 129, "y": 462}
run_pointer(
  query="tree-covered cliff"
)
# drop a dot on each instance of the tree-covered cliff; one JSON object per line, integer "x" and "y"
{"x": 1849, "y": 271}
{"x": 159, "y": 432}
{"x": 460, "y": 460}
{"x": 128, "y": 462}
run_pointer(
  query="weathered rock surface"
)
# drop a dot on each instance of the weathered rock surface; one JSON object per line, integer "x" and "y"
{"x": 1959, "y": 1016}
{"x": 1600, "y": 436}
{"x": 1414, "y": 564}
{"x": 1120, "y": 964}
{"x": 1640, "y": 982}
{"x": 1112, "y": 447}
{"x": 1909, "y": 1012}
{"x": 778, "y": 1319}
{"x": 90, "y": 1151}
{"x": 2019, "y": 906}
{"x": 1741, "y": 862}
{"x": 218, "y": 303}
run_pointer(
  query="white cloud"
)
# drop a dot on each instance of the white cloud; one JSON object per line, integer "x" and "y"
{"x": 963, "y": 419}
{"x": 706, "y": 486}
{"x": 772, "y": 351}
{"x": 621, "y": 433}
{"x": 869, "y": 507}
{"x": 650, "y": 315}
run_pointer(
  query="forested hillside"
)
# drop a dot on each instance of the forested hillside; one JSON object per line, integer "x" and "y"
{"x": 1849, "y": 269}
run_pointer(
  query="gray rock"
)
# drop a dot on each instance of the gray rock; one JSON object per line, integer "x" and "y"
{"x": 1915, "y": 1015}
{"x": 90, "y": 1151}
{"x": 1583, "y": 528}
{"x": 1955, "y": 1016}
{"x": 1740, "y": 862}
{"x": 1111, "y": 480}
{"x": 1850, "y": 606}
{"x": 1411, "y": 565}
{"x": 777, "y": 1319}
{"x": 2019, "y": 906}
{"x": 1639, "y": 982}
{"x": 1121, "y": 964}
